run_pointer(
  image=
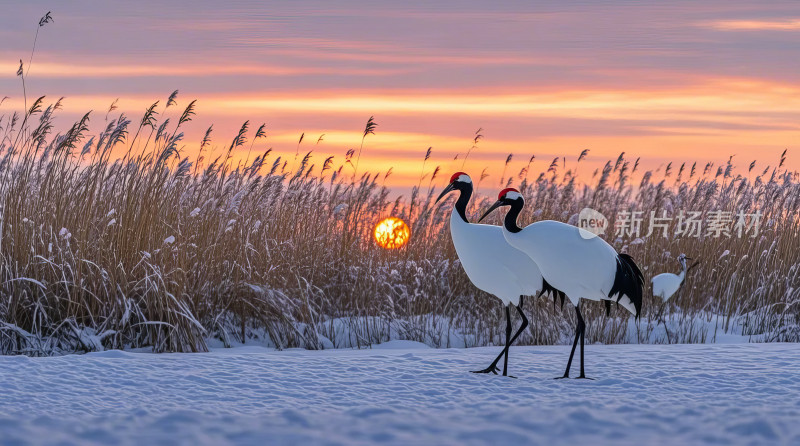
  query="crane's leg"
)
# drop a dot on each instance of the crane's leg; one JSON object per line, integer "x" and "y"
{"x": 582, "y": 324}
{"x": 578, "y": 330}
{"x": 493, "y": 366}
{"x": 508, "y": 342}
{"x": 522, "y": 328}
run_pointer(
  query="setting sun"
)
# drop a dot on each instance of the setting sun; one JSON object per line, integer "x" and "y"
{"x": 392, "y": 233}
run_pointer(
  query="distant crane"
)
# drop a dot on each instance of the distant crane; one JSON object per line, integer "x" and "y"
{"x": 578, "y": 263}
{"x": 667, "y": 284}
{"x": 492, "y": 264}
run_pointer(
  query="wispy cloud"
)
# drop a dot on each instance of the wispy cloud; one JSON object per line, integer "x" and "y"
{"x": 392, "y": 53}
{"x": 87, "y": 70}
{"x": 753, "y": 25}
{"x": 712, "y": 95}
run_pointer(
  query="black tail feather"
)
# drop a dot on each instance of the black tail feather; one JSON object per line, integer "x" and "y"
{"x": 549, "y": 289}
{"x": 628, "y": 281}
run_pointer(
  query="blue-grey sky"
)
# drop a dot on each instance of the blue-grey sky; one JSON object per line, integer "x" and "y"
{"x": 667, "y": 81}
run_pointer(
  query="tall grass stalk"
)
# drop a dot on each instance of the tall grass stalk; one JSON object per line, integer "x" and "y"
{"x": 149, "y": 249}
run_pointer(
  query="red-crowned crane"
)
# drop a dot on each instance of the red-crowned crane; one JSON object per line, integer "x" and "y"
{"x": 667, "y": 284}
{"x": 492, "y": 264}
{"x": 573, "y": 261}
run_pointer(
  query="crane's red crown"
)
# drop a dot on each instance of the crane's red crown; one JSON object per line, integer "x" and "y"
{"x": 505, "y": 191}
{"x": 456, "y": 175}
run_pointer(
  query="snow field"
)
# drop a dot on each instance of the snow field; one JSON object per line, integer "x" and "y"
{"x": 402, "y": 393}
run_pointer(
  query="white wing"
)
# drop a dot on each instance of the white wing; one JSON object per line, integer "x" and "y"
{"x": 665, "y": 285}
{"x": 580, "y": 267}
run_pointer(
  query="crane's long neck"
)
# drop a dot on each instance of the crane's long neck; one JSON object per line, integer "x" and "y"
{"x": 682, "y": 274}
{"x": 510, "y": 221}
{"x": 463, "y": 200}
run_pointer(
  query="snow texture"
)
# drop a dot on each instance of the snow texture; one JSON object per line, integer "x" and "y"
{"x": 403, "y": 392}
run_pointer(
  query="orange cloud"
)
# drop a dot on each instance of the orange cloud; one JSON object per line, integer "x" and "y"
{"x": 711, "y": 97}
{"x": 754, "y": 25}
{"x": 707, "y": 121}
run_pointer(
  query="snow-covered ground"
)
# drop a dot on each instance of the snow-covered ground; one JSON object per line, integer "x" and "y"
{"x": 405, "y": 393}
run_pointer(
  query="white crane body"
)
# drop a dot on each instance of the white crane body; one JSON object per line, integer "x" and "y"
{"x": 583, "y": 268}
{"x": 665, "y": 285}
{"x": 491, "y": 263}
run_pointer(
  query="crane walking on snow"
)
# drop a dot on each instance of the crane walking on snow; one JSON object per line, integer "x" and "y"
{"x": 667, "y": 284}
{"x": 574, "y": 261}
{"x": 492, "y": 264}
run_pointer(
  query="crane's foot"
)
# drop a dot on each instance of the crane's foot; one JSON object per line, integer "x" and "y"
{"x": 490, "y": 369}
{"x": 566, "y": 376}
{"x": 585, "y": 377}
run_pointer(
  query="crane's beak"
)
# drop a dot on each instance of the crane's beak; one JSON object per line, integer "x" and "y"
{"x": 689, "y": 258}
{"x": 447, "y": 190}
{"x": 496, "y": 205}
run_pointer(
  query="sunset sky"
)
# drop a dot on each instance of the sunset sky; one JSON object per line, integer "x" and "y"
{"x": 664, "y": 81}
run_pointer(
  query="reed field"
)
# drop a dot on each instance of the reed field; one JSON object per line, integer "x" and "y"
{"x": 118, "y": 240}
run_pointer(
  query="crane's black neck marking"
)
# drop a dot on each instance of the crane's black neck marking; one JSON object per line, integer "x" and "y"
{"x": 465, "y": 192}
{"x": 511, "y": 217}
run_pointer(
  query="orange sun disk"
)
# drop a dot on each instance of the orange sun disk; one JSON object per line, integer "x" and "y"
{"x": 392, "y": 233}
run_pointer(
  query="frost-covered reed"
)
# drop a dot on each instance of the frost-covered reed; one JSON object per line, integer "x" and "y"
{"x": 119, "y": 240}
